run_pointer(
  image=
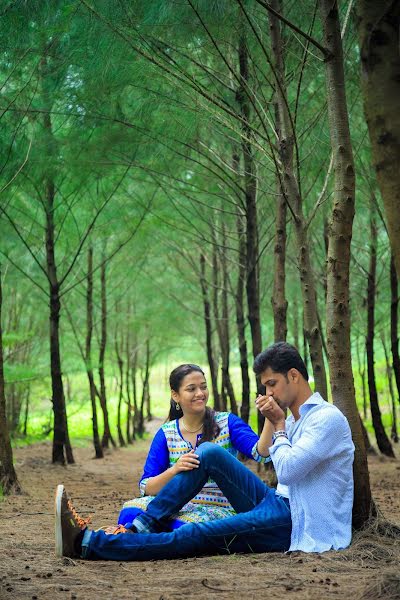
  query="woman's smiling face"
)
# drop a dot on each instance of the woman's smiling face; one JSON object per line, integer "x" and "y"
{"x": 193, "y": 393}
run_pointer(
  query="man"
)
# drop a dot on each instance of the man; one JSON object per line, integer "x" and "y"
{"x": 312, "y": 452}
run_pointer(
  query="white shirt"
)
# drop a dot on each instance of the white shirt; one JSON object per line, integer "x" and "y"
{"x": 314, "y": 468}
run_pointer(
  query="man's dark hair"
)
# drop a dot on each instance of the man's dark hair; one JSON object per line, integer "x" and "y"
{"x": 280, "y": 357}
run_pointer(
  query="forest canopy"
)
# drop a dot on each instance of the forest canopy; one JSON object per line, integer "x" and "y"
{"x": 191, "y": 181}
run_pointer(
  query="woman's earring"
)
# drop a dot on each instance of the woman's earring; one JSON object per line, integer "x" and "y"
{"x": 177, "y": 406}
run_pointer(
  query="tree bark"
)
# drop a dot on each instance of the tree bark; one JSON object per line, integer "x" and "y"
{"x": 88, "y": 354}
{"x": 217, "y": 318}
{"x": 8, "y": 478}
{"x": 129, "y": 420}
{"x": 61, "y": 438}
{"x": 291, "y": 191}
{"x": 61, "y": 441}
{"x": 239, "y": 308}
{"x": 223, "y": 324}
{"x": 135, "y": 414}
{"x": 338, "y": 260}
{"x": 250, "y": 202}
{"x": 120, "y": 363}
{"x": 389, "y": 373}
{"x": 278, "y": 299}
{"x": 378, "y": 31}
{"x": 382, "y": 439}
{"x": 26, "y": 414}
{"x": 250, "y": 184}
{"x": 207, "y": 323}
{"x": 107, "y": 437}
{"x": 394, "y": 313}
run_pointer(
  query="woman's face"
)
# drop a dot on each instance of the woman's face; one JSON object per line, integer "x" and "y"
{"x": 192, "y": 394}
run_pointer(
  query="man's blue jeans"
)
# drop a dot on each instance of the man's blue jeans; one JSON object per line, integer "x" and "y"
{"x": 263, "y": 522}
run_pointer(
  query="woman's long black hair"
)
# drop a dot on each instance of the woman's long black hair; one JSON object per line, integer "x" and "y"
{"x": 210, "y": 427}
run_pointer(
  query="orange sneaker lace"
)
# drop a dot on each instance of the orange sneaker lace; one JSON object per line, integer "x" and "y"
{"x": 82, "y": 523}
{"x": 120, "y": 529}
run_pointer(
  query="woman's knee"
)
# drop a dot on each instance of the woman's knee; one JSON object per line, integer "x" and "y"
{"x": 208, "y": 450}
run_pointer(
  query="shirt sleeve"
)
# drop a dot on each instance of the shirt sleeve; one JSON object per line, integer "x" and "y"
{"x": 157, "y": 460}
{"x": 244, "y": 439}
{"x": 326, "y": 434}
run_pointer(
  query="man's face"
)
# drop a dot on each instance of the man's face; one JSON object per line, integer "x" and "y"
{"x": 283, "y": 388}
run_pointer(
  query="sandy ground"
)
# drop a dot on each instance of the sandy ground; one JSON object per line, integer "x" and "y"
{"x": 29, "y": 569}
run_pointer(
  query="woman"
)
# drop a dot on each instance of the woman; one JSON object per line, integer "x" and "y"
{"x": 173, "y": 450}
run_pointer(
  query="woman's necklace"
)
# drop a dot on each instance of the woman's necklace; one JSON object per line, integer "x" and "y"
{"x": 191, "y": 430}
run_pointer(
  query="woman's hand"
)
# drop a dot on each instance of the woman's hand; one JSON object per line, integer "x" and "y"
{"x": 186, "y": 462}
{"x": 269, "y": 408}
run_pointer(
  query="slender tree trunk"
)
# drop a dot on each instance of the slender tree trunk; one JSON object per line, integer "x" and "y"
{"x": 250, "y": 184}
{"x": 278, "y": 300}
{"x": 361, "y": 371}
{"x": 394, "y": 313}
{"x": 378, "y": 30}
{"x": 8, "y": 478}
{"x": 61, "y": 441}
{"x": 223, "y": 327}
{"x": 61, "y": 438}
{"x": 147, "y": 381}
{"x": 207, "y": 322}
{"x": 145, "y": 389}
{"x": 217, "y": 317}
{"x": 338, "y": 261}
{"x": 296, "y": 338}
{"x": 291, "y": 191}
{"x": 389, "y": 372}
{"x": 129, "y": 420}
{"x": 107, "y": 437}
{"x": 250, "y": 201}
{"x": 382, "y": 439}
{"x": 135, "y": 414}
{"x": 240, "y": 317}
{"x": 26, "y": 414}
{"x": 120, "y": 363}
{"x": 88, "y": 354}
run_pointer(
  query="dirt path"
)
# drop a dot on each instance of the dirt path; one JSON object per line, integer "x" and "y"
{"x": 29, "y": 569}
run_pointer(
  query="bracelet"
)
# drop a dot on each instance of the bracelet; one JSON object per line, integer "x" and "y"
{"x": 280, "y": 433}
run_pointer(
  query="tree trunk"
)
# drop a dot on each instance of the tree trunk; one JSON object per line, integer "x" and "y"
{"x": 378, "y": 31}
{"x": 26, "y": 414}
{"x": 223, "y": 328}
{"x": 278, "y": 300}
{"x": 88, "y": 354}
{"x": 382, "y": 439}
{"x": 295, "y": 309}
{"x": 129, "y": 420}
{"x": 389, "y": 373}
{"x": 135, "y": 414}
{"x": 61, "y": 438}
{"x": 145, "y": 389}
{"x": 107, "y": 437}
{"x": 239, "y": 308}
{"x": 217, "y": 318}
{"x": 394, "y": 337}
{"x": 361, "y": 372}
{"x": 8, "y": 478}
{"x": 250, "y": 201}
{"x": 147, "y": 381}
{"x": 338, "y": 261}
{"x": 291, "y": 190}
{"x": 207, "y": 322}
{"x": 120, "y": 363}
